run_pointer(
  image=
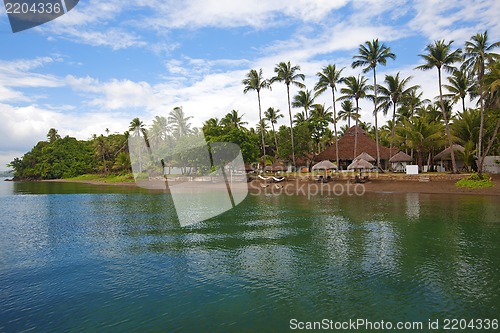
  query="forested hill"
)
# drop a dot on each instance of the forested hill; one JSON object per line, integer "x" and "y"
{"x": 68, "y": 157}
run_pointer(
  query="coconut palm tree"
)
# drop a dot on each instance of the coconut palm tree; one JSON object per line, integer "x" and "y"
{"x": 272, "y": 115}
{"x": 460, "y": 84}
{"x": 233, "y": 119}
{"x": 356, "y": 88}
{"x": 370, "y": 55}
{"x": 304, "y": 99}
{"x": 477, "y": 54}
{"x": 392, "y": 95}
{"x": 159, "y": 130}
{"x": 180, "y": 123}
{"x": 422, "y": 134}
{"x": 299, "y": 118}
{"x": 137, "y": 127}
{"x": 288, "y": 74}
{"x": 441, "y": 56}
{"x": 330, "y": 77}
{"x": 255, "y": 81}
{"x": 347, "y": 112}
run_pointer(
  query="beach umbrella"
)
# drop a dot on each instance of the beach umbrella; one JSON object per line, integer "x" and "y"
{"x": 365, "y": 156}
{"x": 360, "y": 164}
{"x": 324, "y": 165}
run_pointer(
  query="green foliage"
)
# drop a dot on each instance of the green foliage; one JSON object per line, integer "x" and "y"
{"x": 61, "y": 158}
{"x": 474, "y": 181}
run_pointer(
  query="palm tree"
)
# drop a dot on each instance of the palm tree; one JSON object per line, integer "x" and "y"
{"x": 477, "y": 55}
{"x": 299, "y": 118}
{"x": 159, "y": 130}
{"x": 441, "y": 56}
{"x": 347, "y": 112}
{"x": 460, "y": 84}
{"x": 255, "y": 81}
{"x": 303, "y": 99}
{"x": 272, "y": 115}
{"x": 180, "y": 123}
{"x": 392, "y": 95}
{"x": 330, "y": 77}
{"x": 233, "y": 119}
{"x": 137, "y": 127}
{"x": 288, "y": 74}
{"x": 52, "y": 135}
{"x": 355, "y": 89}
{"x": 370, "y": 55}
{"x": 422, "y": 134}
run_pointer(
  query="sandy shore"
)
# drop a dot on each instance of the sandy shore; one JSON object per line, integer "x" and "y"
{"x": 299, "y": 185}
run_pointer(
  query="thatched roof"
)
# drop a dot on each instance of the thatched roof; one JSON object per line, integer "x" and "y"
{"x": 324, "y": 165}
{"x": 346, "y": 146}
{"x": 401, "y": 157}
{"x": 366, "y": 157}
{"x": 360, "y": 163}
{"x": 275, "y": 167}
{"x": 445, "y": 155}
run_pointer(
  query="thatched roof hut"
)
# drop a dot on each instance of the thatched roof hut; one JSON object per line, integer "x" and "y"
{"x": 366, "y": 157}
{"x": 346, "y": 147}
{"x": 401, "y": 157}
{"x": 275, "y": 167}
{"x": 445, "y": 155}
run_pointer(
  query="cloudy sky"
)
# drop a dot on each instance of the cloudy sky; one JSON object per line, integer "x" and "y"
{"x": 108, "y": 61}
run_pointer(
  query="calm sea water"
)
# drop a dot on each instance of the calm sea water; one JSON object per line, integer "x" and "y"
{"x": 76, "y": 257}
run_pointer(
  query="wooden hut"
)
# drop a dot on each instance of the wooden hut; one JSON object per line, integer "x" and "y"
{"x": 399, "y": 161}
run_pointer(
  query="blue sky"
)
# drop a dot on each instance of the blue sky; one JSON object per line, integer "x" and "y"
{"x": 106, "y": 62}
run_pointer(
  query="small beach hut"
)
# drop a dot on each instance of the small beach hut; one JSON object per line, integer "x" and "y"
{"x": 399, "y": 161}
{"x": 365, "y": 156}
{"x": 444, "y": 157}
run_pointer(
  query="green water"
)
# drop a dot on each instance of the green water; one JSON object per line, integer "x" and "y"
{"x": 77, "y": 257}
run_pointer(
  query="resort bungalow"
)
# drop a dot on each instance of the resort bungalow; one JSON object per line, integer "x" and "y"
{"x": 399, "y": 161}
{"x": 346, "y": 149}
{"x": 444, "y": 158}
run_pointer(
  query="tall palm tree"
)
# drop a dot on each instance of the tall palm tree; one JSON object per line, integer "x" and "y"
{"x": 356, "y": 88}
{"x": 460, "y": 84}
{"x": 441, "y": 56}
{"x": 255, "y": 81}
{"x": 392, "y": 95}
{"x": 330, "y": 77}
{"x": 370, "y": 55}
{"x": 180, "y": 123}
{"x": 477, "y": 55}
{"x": 288, "y": 74}
{"x": 347, "y": 112}
{"x": 272, "y": 115}
{"x": 137, "y": 127}
{"x": 303, "y": 99}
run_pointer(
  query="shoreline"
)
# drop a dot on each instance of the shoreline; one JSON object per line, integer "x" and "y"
{"x": 377, "y": 185}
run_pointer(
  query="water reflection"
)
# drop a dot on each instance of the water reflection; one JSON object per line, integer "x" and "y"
{"x": 412, "y": 206}
{"x": 121, "y": 262}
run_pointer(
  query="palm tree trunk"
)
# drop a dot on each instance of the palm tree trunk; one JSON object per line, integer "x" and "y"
{"x": 262, "y": 130}
{"x": 392, "y": 129}
{"x": 356, "y": 132}
{"x": 291, "y": 126}
{"x": 275, "y": 139}
{"x": 335, "y": 128}
{"x": 481, "y": 125}
{"x": 447, "y": 126}
{"x": 375, "y": 113}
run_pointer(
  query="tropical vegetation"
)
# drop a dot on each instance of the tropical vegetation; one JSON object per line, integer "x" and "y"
{"x": 466, "y": 111}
